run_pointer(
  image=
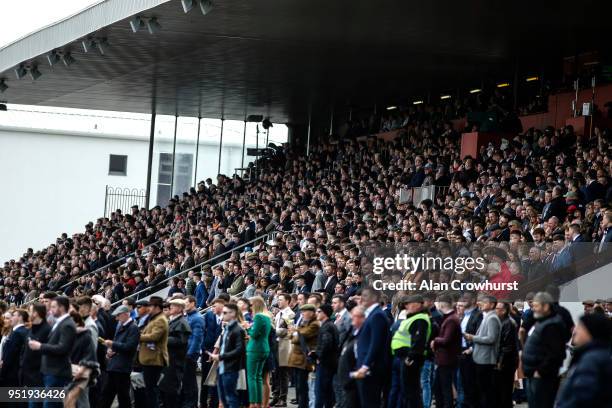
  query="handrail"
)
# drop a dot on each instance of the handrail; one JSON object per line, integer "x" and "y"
{"x": 116, "y": 261}
{"x": 264, "y": 237}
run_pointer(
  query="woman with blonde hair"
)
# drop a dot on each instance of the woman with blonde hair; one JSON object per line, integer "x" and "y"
{"x": 257, "y": 349}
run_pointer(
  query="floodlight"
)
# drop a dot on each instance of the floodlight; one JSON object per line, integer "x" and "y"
{"x": 153, "y": 25}
{"x": 266, "y": 124}
{"x": 136, "y": 23}
{"x": 445, "y": 97}
{"x": 473, "y": 91}
{"x": 67, "y": 59}
{"x": 417, "y": 102}
{"x": 3, "y": 85}
{"x": 20, "y": 71}
{"x": 206, "y": 6}
{"x": 187, "y": 5}
{"x": 53, "y": 58}
{"x": 531, "y": 79}
{"x": 391, "y": 107}
{"x": 34, "y": 72}
{"x": 3, "y": 107}
{"x": 503, "y": 85}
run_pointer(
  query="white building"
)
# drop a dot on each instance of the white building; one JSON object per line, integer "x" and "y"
{"x": 55, "y": 165}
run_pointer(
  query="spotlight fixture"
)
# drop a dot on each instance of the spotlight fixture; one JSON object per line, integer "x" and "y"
{"x": 3, "y": 85}
{"x": 94, "y": 43}
{"x": 67, "y": 59}
{"x": 417, "y": 102}
{"x": 34, "y": 72}
{"x": 3, "y": 107}
{"x": 531, "y": 79}
{"x": 503, "y": 85}
{"x": 136, "y": 23}
{"x": 187, "y": 5}
{"x": 206, "y": 6}
{"x": 53, "y": 58}
{"x": 391, "y": 107}
{"x": 266, "y": 124}
{"x": 473, "y": 91}
{"x": 153, "y": 25}
{"x": 445, "y": 97}
{"x": 20, "y": 71}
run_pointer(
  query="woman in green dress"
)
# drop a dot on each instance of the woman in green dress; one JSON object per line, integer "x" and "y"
{"x": 257, "y": 349}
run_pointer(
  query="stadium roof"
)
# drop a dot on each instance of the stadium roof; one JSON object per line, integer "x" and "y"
{"x": 276, "y": 58}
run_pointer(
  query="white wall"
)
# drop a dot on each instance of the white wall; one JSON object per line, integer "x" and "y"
{"x": 54, "y": 181}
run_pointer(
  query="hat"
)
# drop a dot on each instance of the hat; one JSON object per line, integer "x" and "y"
{"x": 588, "y": 302}
{"x": 598, "y": 325}
{"x": 413, "y": 299}
{"x": 178, "y": 302}
{"x": 309, "y": 307}
{"x": 327, "y": 309}
{"x": 143, "y": 302}
{"x": 121, "y": 309}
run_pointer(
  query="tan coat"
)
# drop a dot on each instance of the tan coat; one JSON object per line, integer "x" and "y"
{"x": 310, "y": 331}
{"x": 153, "y": 349}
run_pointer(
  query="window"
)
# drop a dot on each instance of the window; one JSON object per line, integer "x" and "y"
{"x": 117, "y": 165}
{"x": 183, "y": 176}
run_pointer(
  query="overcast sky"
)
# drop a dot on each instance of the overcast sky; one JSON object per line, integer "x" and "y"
{"x": 20, "y": 17}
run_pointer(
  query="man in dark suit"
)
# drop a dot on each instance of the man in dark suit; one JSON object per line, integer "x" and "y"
{"x": 188, "y": 262}
{"x": 327, "y": 358}
{"x": 212, "y": 330}
{"x": 330, "y": 281}
{"x": 121, "y": 352}
{"x": 231, "y": 357}
{"x": 472, "y": 317}
{"x": 55, "y": 364}
{"x": 201, "y": 293}
{"x": 556, "y": 206}
{"x": 372, "y": 351}
{"x": 12, "y": 350}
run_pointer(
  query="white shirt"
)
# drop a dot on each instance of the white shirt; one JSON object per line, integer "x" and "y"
{"x": 59, "y": 320}
{"x": 370, "y": 309}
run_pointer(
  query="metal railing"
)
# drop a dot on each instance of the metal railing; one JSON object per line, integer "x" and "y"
{"x": 262, "y": 238}
{"x": 123, "y": 198}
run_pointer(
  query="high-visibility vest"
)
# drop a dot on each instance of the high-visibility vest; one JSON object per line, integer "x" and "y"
{"x": 403, "y": 338}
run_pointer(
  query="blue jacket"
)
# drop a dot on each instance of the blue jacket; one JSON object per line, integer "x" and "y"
{"x": 212, "y": 331}
{"x": 196, "y": 323}
{"x": 587, "y": 383}
{"x": 125, "y": 345}
{"x": 373, "y": 341}
{"x": 201, "y": 295}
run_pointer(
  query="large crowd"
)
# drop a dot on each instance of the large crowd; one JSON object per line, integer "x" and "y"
{"x": 299, "y": 309}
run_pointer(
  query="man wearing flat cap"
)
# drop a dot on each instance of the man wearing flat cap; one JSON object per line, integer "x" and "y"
{"x": 178, "y": 340}
{"x": 408, "y": 346}
{"x": 120, "y": 356}
{"x": 304, "y": 340}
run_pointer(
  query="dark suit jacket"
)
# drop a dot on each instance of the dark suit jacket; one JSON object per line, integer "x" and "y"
{"x": 56, "y": 352}
{"x": 233, "y": 348}
{"x": 330, "y": 288}
{"x": 327, "y": 345}
{"x": 11, "y": 354}
{"x": 473, "y": 323}
{"x": 212, "y": 330}
{"x": 372, "y": 343}
{"x": 30, "y": 363}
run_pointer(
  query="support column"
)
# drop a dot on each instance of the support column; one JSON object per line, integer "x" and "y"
{"x": 243, "y": 146}
{"x": 308, "y": 137}
{"x": 150, "y": 161}
{"x": 220, "y": 147}
{"x": 173, "y": 157}
{"x": 195, "y": 173}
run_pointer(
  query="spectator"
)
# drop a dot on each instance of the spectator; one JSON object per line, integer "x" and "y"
{"x": 55, "y": 362}
{"x": 212, "y": 331}
{"x": 544, "y": 352}
{"x": 31, "y": 360}
{"x": 304, "y": 340}
{"x": 447, "y": 347}
{"x": 257, "y": 349}
{"x": 326, "y": 355}
{"x": 153, "y": 350}
{"x": 486, "y": 350}
{"x": 590, "y": 370}
{"x": 283, "y": 322}
{"x": 121, "y": 352}
{"x": 13, "y": 349}
{"x": 196, "y": 323}
{"x": 507, "y": 361}
{"x": 231, "y": 357}
{"x": 179, "y": 333}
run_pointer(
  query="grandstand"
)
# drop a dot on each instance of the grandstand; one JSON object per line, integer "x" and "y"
{"x": 438, "y": 129}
